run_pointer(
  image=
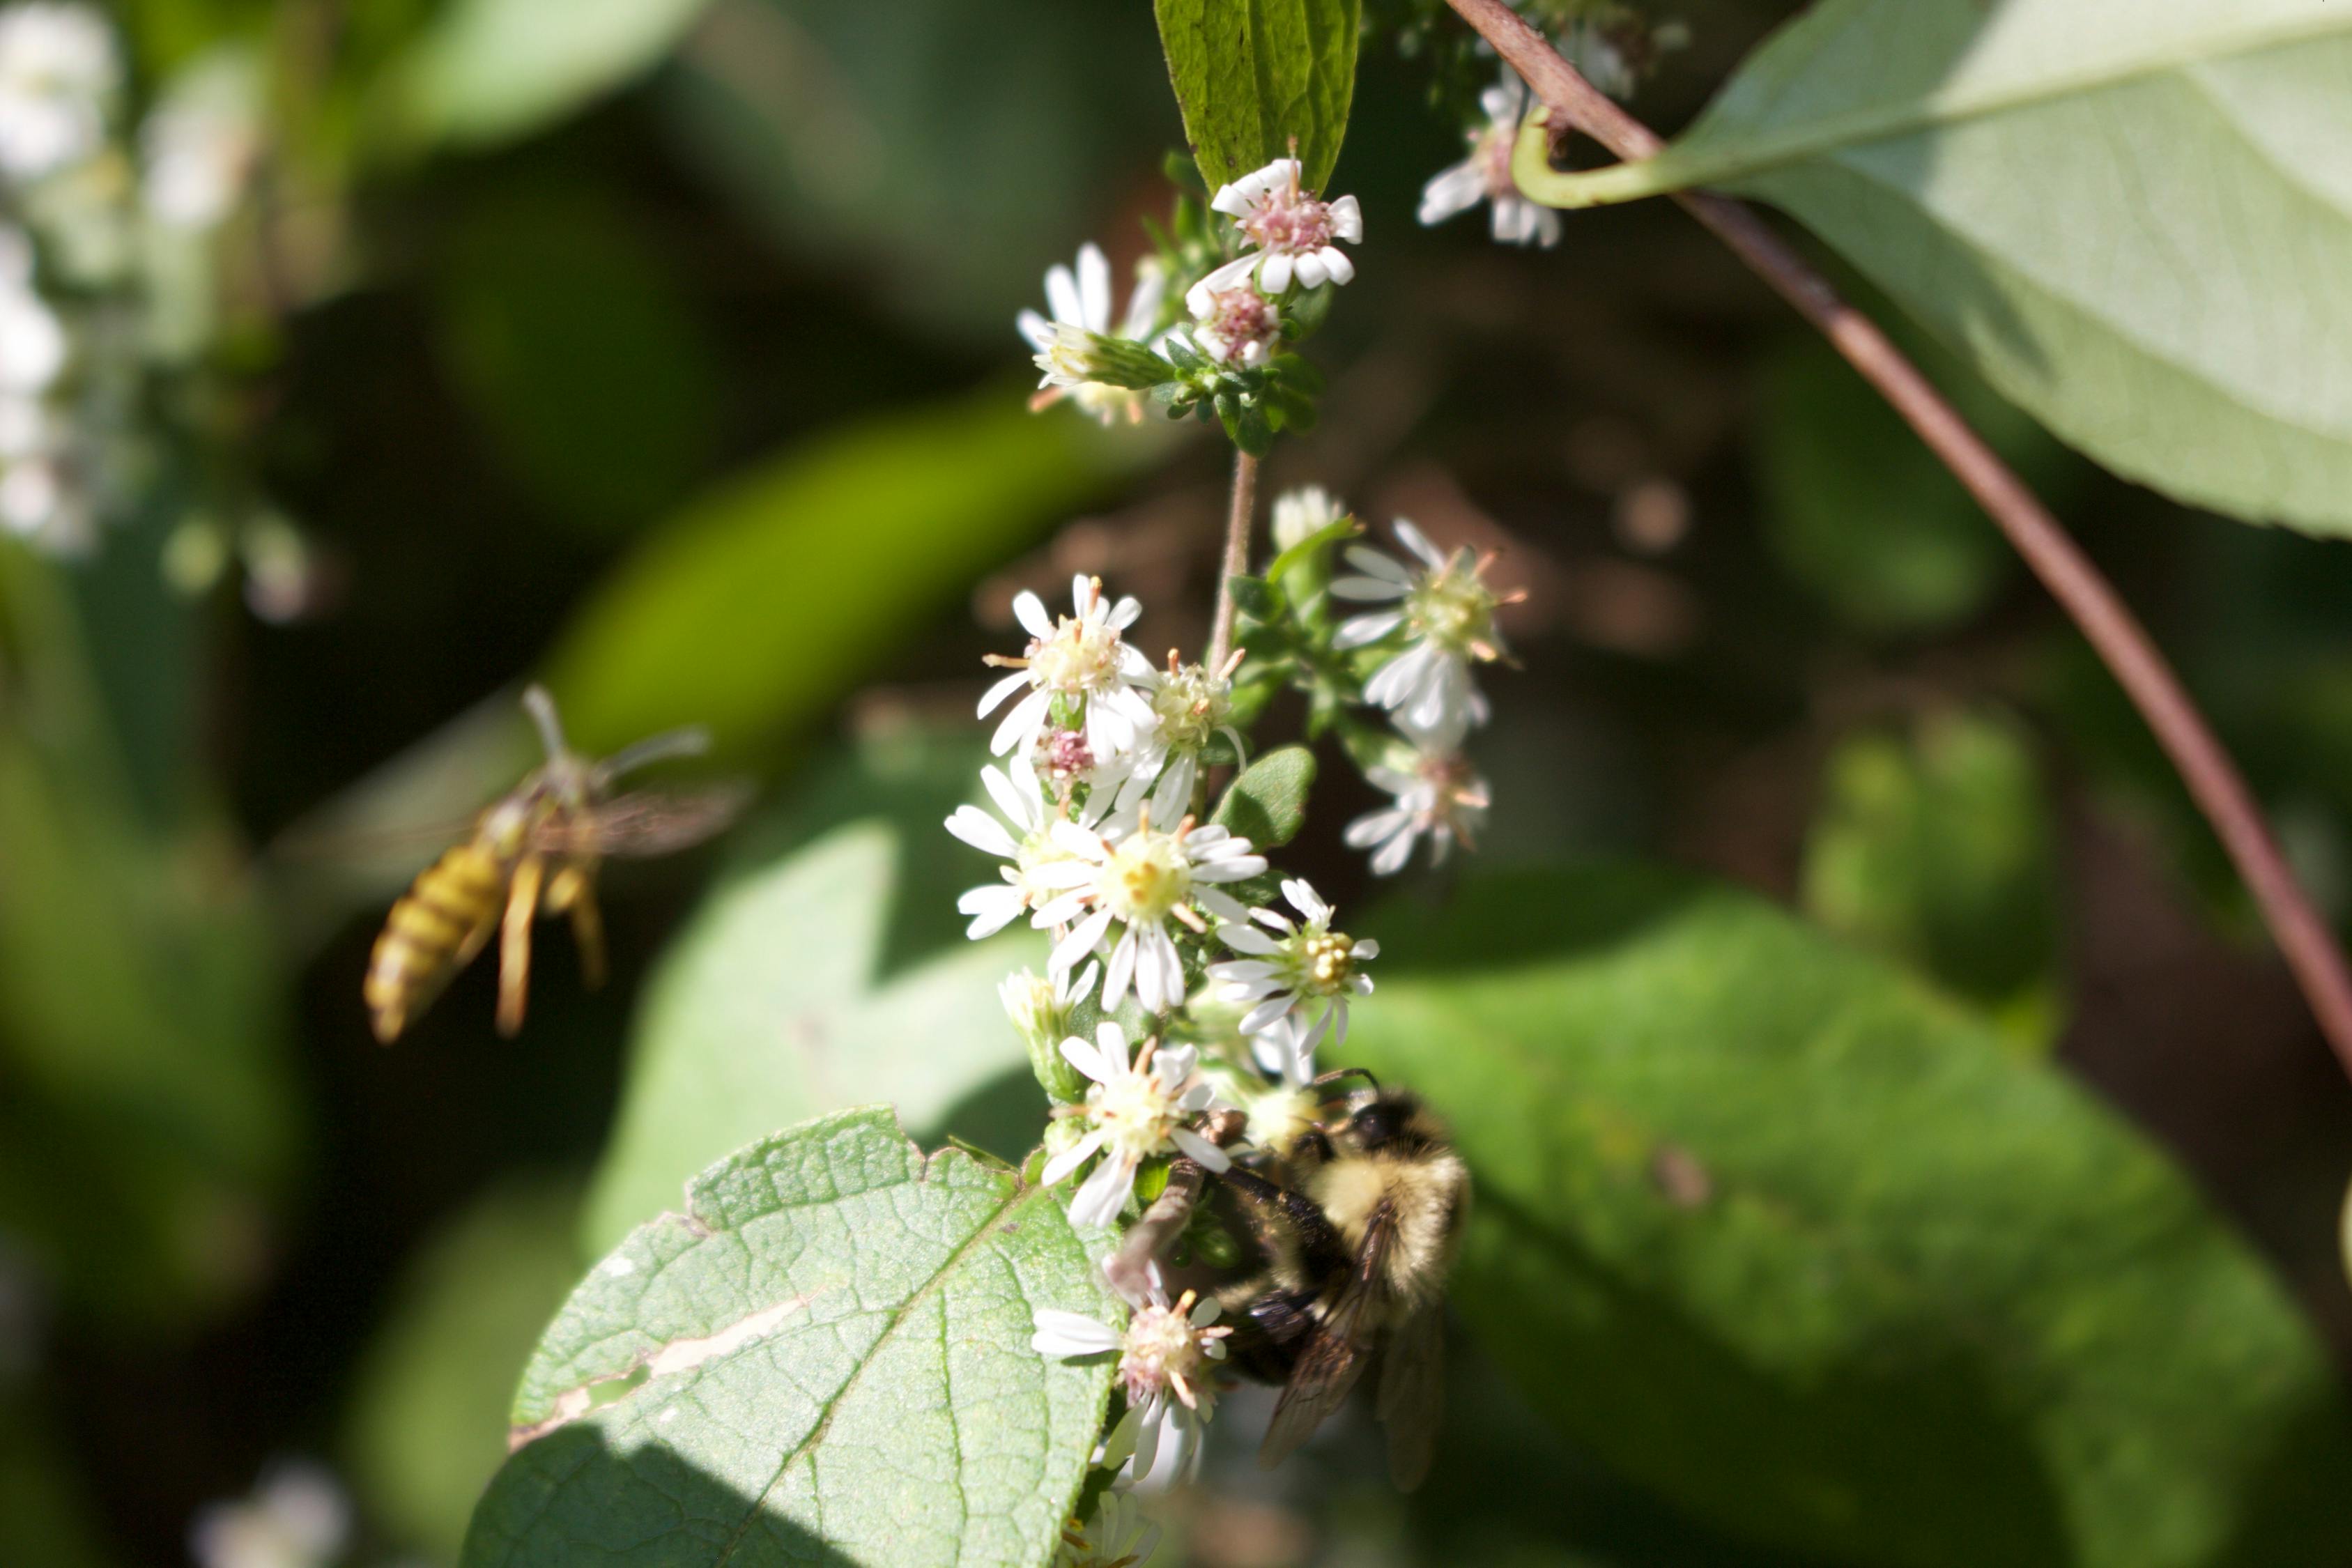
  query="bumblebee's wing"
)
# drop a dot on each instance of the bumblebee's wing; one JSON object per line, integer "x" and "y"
{"x": 644, "y": 823}
{"x": 1335, "y": 1355}
{"x": 1412, "y": 1394}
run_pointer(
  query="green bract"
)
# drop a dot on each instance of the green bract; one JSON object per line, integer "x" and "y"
{"x": 825, "y": 1358}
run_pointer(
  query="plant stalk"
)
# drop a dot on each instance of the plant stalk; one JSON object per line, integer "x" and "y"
{"x": 1236, "y": 563}
{"x": 2213, "y": 779}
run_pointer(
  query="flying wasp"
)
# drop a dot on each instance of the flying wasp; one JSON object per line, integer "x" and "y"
{"x": 1354, "y": 1221}
{"x": 537, "y": 848}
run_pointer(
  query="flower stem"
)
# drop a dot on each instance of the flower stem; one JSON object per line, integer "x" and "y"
{"x": 2120, "y": 641}
{"x": 1238, "y": 518}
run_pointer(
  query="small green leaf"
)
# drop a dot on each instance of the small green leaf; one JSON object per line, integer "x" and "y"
{"x": 2187, "y": 323}
{"x": 1253, "y": 597}
{"x": 1267, "y": 804}
{"x": 1798, "y": 1243}
{"x": 824, "y": 1358}
{"x": 1250, "y": 75}
{"x": 1333, "y": 532}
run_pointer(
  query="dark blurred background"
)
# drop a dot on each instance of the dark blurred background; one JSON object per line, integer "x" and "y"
{"x": 696, "y": 325}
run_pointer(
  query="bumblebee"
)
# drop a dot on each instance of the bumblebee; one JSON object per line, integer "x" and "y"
{"x": 537, "y": 848}
{"x": 1354, "y": 1224}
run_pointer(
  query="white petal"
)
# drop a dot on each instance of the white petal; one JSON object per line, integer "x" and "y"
{"x": 1305, "y": 899}
{"x": 1071, "y": 1158}
{"x": 1207, "y": 1153}
{"x": 1348, "y": 219}
{"x": 1121, "y": 970}
{"x": 1019, "y": 805}
{"x": 1076, "y": 840}
{"x": 1123, "y": 615}
{"x": 1449, "y": 192}
{"x": 1264, "y": 1016}
{"x": 1275, "y": 276}
{"x": 1101, "y": 1195}
{"x": 1412, "y": 539}
{"x": 1229, "y": 276}
{"x": 1366, "y": 951}
{"x": 1395, "y": 853}
{"x": 1061, "y": 1333}
{"x": 1094, "y": 287}
{"x": 1217, "y": 903}
{"x": 1335, "y": 263}
{"x": 1312, "y": 273}
{"x": 1364, "y": 558}
{"x": 1081, "y": 1054}
{"x": 1061, "y": 296}
{"x": 1358, "y": 631}
{"x": 1037, "y": 329}
{"x": 982, "y": 832}
{"x": 1029, "y": 611}
{"x": 1022, "y": 722}
{"x": 1245, "y": 939}
{"x": 1002, "y": 689}
{"x": 1374, "y": 828}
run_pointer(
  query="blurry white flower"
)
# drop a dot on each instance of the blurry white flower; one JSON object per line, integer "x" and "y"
{"x": 1081, "y": 304}
{"x": 1141, "y": 877}
{"x": 1290, "y": 233}
{"x": 1447, "y": 614}
{"x": 1302, "y": 965}
{"x": 1485, "y": 174}
{"x": 1300, "y": 514}
{"x": 1134, "y": 1110}
{"x": 296, "y": 1517}
{"x": 1118, "y": 1536}
{"x": 1079, "y": 661}
{"x": 33, "y": 344}
{"x": 1189, "y": 705}
{"x": 1028, "y": 843}
{"x": 199, "y": 144}
{"x": 1600, "y": 58}
{"x": 59, "y": 74}
{"x": 1440, "y": 796}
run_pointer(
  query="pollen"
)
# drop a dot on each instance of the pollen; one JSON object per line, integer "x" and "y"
{"x": 1147, "y": 877}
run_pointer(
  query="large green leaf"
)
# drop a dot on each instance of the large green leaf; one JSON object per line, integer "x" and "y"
{"x": 492, "y": 70}
{"x": 827, "y": 974}
{"x": 1251, "y": 75}
{"x": 825, "y": 1358}
{"x": 752, "y": 610}
{"x": 2135, "y": 216}
{"x": 1794, "y": 1241}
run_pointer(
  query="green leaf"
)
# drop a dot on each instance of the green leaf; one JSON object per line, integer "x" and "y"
{"x": 1796, "y": 1243}
{"x": 493, "y": 71}
{"x": 1267, "y": 804}
{"x": 1937, "y": 847}
{"x": 825, "y": 1358}
{"x": 1250, "y": 75}
{"x": 2133, "y": 216}
{"x": 753, "y": 609}
{"x": 427, "y": 1422}
{"x": 833, "y": 974}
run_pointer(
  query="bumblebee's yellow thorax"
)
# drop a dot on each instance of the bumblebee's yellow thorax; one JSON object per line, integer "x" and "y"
{"x": 1349, "y": 1191}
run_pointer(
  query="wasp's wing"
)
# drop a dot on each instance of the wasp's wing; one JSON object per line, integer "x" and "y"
{"x": 1335, "y": 1354}
{"x": 643, "y": 823}
{"x": 1412, "y": 1394}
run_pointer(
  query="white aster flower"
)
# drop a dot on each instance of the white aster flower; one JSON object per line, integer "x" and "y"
{"x": 1447, "y": 614}
{"x": 33, "y": 342}
{"x": 298, "y": 1518}
{"x": 1291, "y": 234}
{"x": 1118, "y": 1536}
{"x": 1236, "y": 326}
{"x": 1081, "y": 304}
{"x": 1140, "y": 879}
{"x": 1025, "y": 837}
{"x": 1303, "y": 963}
{"x": 1135, "y": 1111}
{"x": 1167, "y": 1357}
{"x": 58, "y": 75}
{"x": 1190, "y": 704}
{"x": 1080, "y": 661}
{"x": 1485, "y": 174}
{"x": 1440, "y": 796}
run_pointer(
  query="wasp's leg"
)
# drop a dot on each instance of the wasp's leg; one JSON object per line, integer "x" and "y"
{"x": 514, "y": 943}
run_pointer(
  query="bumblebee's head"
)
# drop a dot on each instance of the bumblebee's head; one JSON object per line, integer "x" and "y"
{"x": 1393, "y": 1122}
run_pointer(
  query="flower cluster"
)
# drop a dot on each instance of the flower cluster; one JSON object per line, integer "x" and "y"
{"x": 1211, "y": 313}
{"x": 108, "y": 282}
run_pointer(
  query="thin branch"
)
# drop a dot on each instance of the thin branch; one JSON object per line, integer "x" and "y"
{"x": 1236, "y": 563}
{"x": 2213, "y": 780}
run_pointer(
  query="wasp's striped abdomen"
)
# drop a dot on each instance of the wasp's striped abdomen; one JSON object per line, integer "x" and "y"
{"x": 435, "y": 930}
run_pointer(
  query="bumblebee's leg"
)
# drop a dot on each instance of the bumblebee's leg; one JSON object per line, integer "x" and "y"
{"x": 514, "y": 943}
{"x": 1321, "y": 1250}
{"x": 1130, "y": 1269}
{"x": 572, "y": 890}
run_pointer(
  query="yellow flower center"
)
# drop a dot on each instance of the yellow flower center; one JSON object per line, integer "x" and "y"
{"x": 1147, "y": 877}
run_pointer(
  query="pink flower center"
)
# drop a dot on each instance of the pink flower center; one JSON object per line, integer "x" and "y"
{"x": 1240, "y": 317}
{"x": 1288, "y": 219}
